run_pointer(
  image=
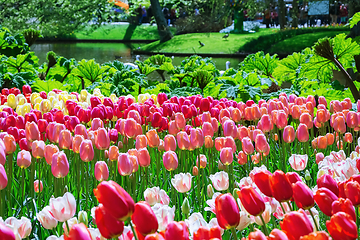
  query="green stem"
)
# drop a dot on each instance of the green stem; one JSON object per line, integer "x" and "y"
{"x": 132, "y": 229}
{"x": 233, "y": 231}
{"x": 316, "y": 226}
{"x": 264, "y": 225}
{"x": 22, "y": 190}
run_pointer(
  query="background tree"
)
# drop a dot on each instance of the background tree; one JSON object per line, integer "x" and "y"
{"x": 163, "y": 29}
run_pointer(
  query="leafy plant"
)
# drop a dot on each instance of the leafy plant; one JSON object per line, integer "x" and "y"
{"x": 12, "y": 45}
{"x": 354, "y": 19}
{"x": 161, "y": 63}
{"x": 261, "y": 63}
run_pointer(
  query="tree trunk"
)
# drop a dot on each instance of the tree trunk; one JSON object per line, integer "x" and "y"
{"x": 163, "y": 29}
{"x": 295, "y": 20}
{"x": 282, "y": 13}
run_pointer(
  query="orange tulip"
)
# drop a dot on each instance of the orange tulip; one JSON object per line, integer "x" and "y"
{"x": 113, "y": 153}
{"x": 209, "y": 143}
{"x": 321, "y": 235}
{"x": 348, "y": 137}
{"x": 76, "y": 142}
{"x": 141, "y": 142}
{"x": 322, "y": 142}
{"x": 10, "y": 143}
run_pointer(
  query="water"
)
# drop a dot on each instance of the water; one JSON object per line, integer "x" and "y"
{"x": 105, "y": 52}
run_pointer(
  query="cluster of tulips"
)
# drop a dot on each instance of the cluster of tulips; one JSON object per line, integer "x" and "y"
{"x": 184, "y": 151}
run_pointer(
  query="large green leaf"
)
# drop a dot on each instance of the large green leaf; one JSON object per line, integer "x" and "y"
{"x": 46, "y": 86}
{"x": 261, "y": 63}
{"x": 90, "y": 70}
{"x": 212, "y": 89}
{"x": 354, "y": 19}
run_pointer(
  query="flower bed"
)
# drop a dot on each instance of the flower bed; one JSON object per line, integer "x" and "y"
{"x": 85, "y": 166}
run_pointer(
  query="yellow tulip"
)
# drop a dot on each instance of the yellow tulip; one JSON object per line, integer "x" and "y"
{"x": 83, "y": 95}
{"x": 26, "y": 108}
{"x": 37, "y": 106}
{"x": 113, "y": 97}
{"x": 33, "y": 96}
{"x": 11, "y": 101}
{"x": 45, "y": 106}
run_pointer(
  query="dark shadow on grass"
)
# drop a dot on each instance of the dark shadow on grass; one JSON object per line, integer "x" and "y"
{"x": 130, "y": 31}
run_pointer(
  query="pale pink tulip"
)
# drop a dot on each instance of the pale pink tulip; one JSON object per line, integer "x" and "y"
{"x": 220, "y": 180}
{"x": 182, "y": 182}
{"x": 96, "y": 123}
{"x": 23, "y": 159}
{"x": 38, "y": 149}
{"x": 59, "y": 165}
{"x": 21, "y": 227}
{"x": 226, "y": 156}
{"x": 152, "y": 196}
{"x": 49, "y": 151}
{"x": 63, "y": 208}
{"x": 46, "y": 218}
{"x": 298, "y": 162}
{"x": 86, "y": 151}
{"x": 245, "y": 220}
{"x": 203, "y": 161}
{"x": 125, "y": 165}
{"x": 266, "y": 215}
{"x": 101, "y": 171}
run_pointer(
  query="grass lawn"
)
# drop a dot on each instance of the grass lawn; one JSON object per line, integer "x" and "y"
{"x": 214, "y": 43}
{"x": 298, "y": 43}
{"x": 121, "y": 32}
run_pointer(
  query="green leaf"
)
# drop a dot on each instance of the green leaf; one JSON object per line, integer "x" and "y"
{"x": 46, "y": 86}
{"x": 259, "y": 62}
{"x": 354, "y": 19}
{"x": 90, "y": 71}
{"x": 212, "y": 89}
{"x": 166, "y": 66}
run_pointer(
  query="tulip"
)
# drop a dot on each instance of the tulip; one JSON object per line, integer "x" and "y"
{"x": 344, "y": 205}
{"x": 201, "y": 159}
{"x": 10, "y": 143}
{"x": 227, "y": 211}
{"x": 6, "y": 233}
{"x": 296, "y": 224}
{"x": 251, "y": 200}
{"x": 59, "y": 165}
{"x": 328, "y": 182}
{"x": 76, "y": 142}
{"x": 182, "y": 182}
{"x": 342, "y": 227}
{"x": 180, "y": 121}
{"x": 108, "y": 226}
{"x": 289, "y": 134}
{"x": 352, "y": 192}
{"x": 226, "y": 156}
{"x": 262, "y": 181}
{"x": 96, "y": 123}
{"x": 293, "y": 177}
{"x": 23, "y": 159}
{"x": 113, "y": 153}
{"x": 79, "y": 232}
{"x": 247, "y": 146}
{"x": 86, "y": 151}
{"x": 144, "y": 219}
{"x": 152, "y": 195}
{"x": 183, "y": 140}
{"x": 324, "y": 198}
{"x": 102, "y": 140}
{"x": 170, "y": 160}
{"x": 125, "y": 164}
{"x": 339, "y": 124}
{"x": 208, "y": 143}
{"x": 49, "y": 151}
{"x": 130, "y": 127}
{"x": 32, "y": 131}
{"x": 242, "y": 158}
{"x": 154, "y": 236}
{"x": 320, "y": 235}
{"x": 115, "y": 200}
{"x": 302, "y": 133}
{"x": 261, "y": 143}
{"x": 101, "y": 171}
{"x": 348, "y": 137}
{"x": 3, "y": 178}
{"x": 153, "y": 138}
{"x": 177, "y": 231}
{"x": 280, "y": 186}
{"x": 38, "y": 149}
{"x": 277, "y": 234}
{"x": 220, "y": 180}
{"x": 141, "y": 142}
{"x": 46, "y": 218}
{"x": 38, "y": 186}
{"x": 65, "y": 139}
{"x": 80, "y": 129}
{"x": 207, "y": 129}
{"x": 303, "y": 196}
{"x": 63, "y": 208}
{"x": 196, "y": 138}
{"x": 257, "y": 235}
{"x": 298, "y": 162}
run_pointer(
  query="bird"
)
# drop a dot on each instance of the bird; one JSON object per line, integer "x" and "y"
{"x": 201, "y": 44}
{"x": 132, "y": 65}
{"x": 226, "y": 36}
{"x": 227, "y": 67}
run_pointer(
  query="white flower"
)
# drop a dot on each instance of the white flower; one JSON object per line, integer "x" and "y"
{"x": 195, "y": 221}
{"x": 63, "y": 208}
{"x": 46, "y": 218}
{"x": 182, "y": 182}
{"x": 245, "y": 220}
{"x": 164, "y": 214}
{"x": 220, "y": 181}
{"x": 21, "y": 227}
{"x": 298, "y": 162}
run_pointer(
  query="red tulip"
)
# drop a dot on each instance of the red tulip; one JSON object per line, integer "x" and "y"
{"x": 204, "y": 233}
{"x": 352, "y": 192}
{"x": 144, "y": 218}
{"x": 342, "y": 227}
{"x": 296, "y": 224}
{"x": 115, "y": 199}
{"x": 324, "y": 198}
{"x": 251, "y": 200}
{"x": 328, "y": 182}
{"x": 78, "y": 232}
{"x": 344, "y": 205}
{"x": 262, "y": 181}
{"x": 177, "y": 231}
{"x": 293, "y": 177}
{"x": 227, "y": 211}
{"x": 280, "y": 186}
{"x": 303, "y": 196}
{"x": 108, "y": 226}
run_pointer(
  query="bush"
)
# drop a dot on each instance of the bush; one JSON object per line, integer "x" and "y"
{"x": 199, "y": 24}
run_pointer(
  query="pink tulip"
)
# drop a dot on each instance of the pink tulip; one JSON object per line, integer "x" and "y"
{"x": 180, "y": 121}
{"x": 144, "y": 157}
{"x": 196, "y": 138}
{"x": 261, "y": 143}
{"x": 220, "y": 181}
{"x": 135, "y": 164}
{"x": 56, "y": 133}
{"x": 65, "y": 139}
{"x": 125, "y": 165}
{"x": 46, "y": 218}
{"x": 76, "y": 142}
{"x": 38, "y": 187}
{"x": 102, "y": 140}
{"x": 10, "y": 143}
{"x": 183, "y": 140}
{"x": 96, "y": 123}
{"x": 49, "y": 151}
{"x": 101, "y": 171}
{"x": 38, "y": 149}
{"x": 319, "y": 157}
{"x": 59, "y": 165}
{"x": 173, "y": 130}
{"x": 302, "y": 133}
{"x": 86, "y": 151}
{"x": 80, "y": 129}
{"x": 247, "y": 146}
{"x": 32, "y": 131}
{"x": 203, "y": 161}
{"x": 207, "y": 129}
{"x": 226, "y": 156}
{"x": 113, "y": 153}
{"x": 130, "y": 128}
{"x": 298, "y": 162}
{"x": 3, "y": 178}
{"x": 2, "y": 152}
{"x": 63, "y": 208}
{"x": 289, "y": 134}
{"x": 24, "y": 159}
{"x": 182, "y": 182}
{"x": 230, "y": 128}
{"x": 141, "y": 142}
{"x": 169, "y": 143}
{"x": 170, "y": 160}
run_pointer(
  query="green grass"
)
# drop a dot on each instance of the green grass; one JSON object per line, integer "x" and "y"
{"x": 298, "y": 43}
{"x": 121, "y": 32}
{"x": 214, "y": 43}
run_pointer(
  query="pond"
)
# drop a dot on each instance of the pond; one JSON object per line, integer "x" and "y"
{"x": 105, "y": 52}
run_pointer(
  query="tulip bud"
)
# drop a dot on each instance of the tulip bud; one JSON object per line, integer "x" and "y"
{"x": 195, "y": 171}
{"x": 210, "y": 191}
{"x": 83, "y": 218}
{"x": 185, "y": 207}
{"x": 307, "y": 175}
